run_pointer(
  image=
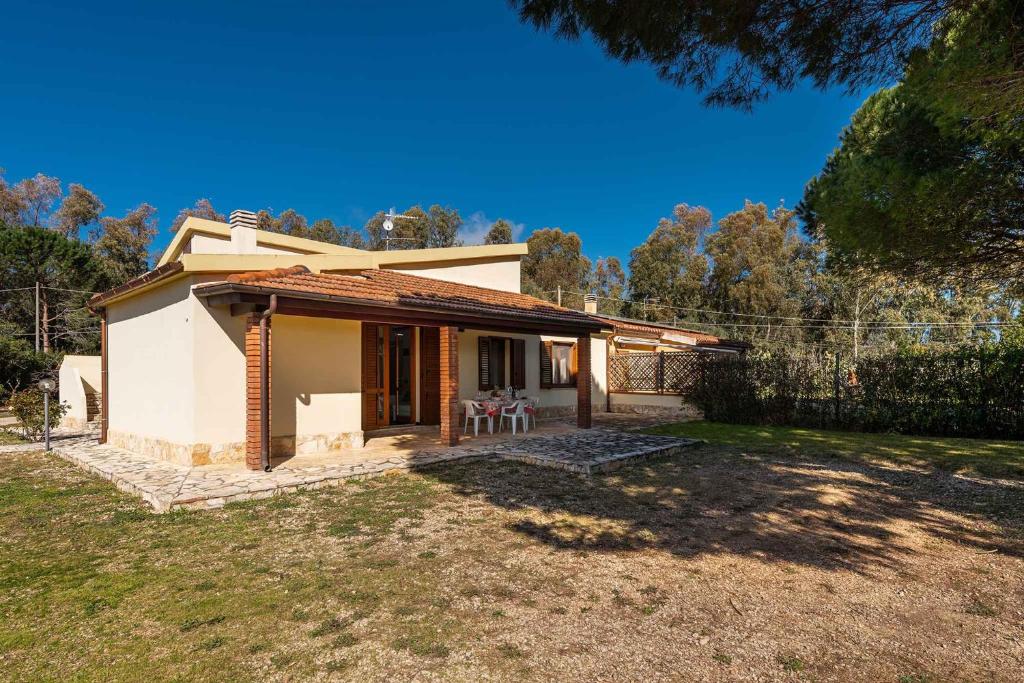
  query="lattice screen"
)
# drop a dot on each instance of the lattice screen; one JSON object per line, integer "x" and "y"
{"x": 674, "y": 372}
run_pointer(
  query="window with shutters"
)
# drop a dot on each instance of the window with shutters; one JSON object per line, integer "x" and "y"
{"x": 491, "y": 363}
{"x": 557, "y": 364}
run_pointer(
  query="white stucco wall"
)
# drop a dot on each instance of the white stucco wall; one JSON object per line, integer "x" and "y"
{"x": 78, "y": 375}
{"x": 500, "y": 274}
{"x": 218, "y": 373}
{"x": 150, "y": 371}
{"x": 317, "y": 385}
{"x": 201, "y": 243}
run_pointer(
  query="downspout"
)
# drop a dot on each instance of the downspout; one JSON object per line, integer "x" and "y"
{"x": 265, "y": 383}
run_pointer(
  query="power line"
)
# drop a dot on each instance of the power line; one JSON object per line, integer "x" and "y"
{"x": 830, "y": 321}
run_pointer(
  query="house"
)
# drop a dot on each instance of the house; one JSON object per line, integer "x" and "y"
{"x": 242, "y": 344}
{"x": 651, "y": 367}
{"x": 640, "y": 336}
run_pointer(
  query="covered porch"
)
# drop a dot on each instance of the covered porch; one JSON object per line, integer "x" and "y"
{"x": 408, "y": 353}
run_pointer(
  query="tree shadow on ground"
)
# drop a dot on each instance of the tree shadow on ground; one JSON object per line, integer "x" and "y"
{"x": 819, "y": 512}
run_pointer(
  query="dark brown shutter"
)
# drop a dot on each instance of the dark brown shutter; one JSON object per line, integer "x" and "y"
{"x": 373, "y": 390}
{"x": 483, "y": 351}
{"x": 545, "y": 365}
{"x": 518, "y": 360}
{"x": 497, "y": 363}
{"x": 430, "y": 376}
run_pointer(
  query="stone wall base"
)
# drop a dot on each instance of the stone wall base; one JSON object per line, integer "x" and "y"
{"x": 228, "y": 453}
{"x": 685, "y": 411}
{"x": 545, "y": 412}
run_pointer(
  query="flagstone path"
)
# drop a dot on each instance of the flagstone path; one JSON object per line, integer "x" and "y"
{"x": 167, "y": 486}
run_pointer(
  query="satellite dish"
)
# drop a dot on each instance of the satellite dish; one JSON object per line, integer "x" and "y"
{"x": 389, "y": 225}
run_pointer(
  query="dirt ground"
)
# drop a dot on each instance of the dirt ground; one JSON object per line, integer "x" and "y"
{"x": 726, "y": 564}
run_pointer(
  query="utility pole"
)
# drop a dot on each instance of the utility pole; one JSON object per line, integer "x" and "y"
{"x": 37, "y": 316}
{"x": 559, "y": 295}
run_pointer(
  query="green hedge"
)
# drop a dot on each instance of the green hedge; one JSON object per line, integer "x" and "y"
{"x": 975, "y": 391}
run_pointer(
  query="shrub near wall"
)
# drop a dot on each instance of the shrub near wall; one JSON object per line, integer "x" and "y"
{"x": 973, "y": 391}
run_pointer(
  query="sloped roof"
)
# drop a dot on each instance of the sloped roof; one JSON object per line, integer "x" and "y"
{"x": 655, "y": 331}
{"x": 395, "y": 289}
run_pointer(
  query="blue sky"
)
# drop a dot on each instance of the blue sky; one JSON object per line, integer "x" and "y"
{"x": 338, "y": 111}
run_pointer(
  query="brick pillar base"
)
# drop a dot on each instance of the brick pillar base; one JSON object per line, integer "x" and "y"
{"x": 583, "y": 408}
{"x": 449, "y": 386}
{"x": 252, "y": 388}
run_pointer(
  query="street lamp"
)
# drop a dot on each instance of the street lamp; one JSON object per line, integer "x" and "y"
{"x": 46, "y": 386}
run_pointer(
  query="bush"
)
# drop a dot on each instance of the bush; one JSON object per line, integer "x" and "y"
{"x": 21, "y": 366}
{"x": 27, "y": 407}
{"x": 972, "y": 391}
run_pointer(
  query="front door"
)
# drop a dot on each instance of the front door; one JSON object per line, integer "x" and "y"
{"x": 388, "y": 383}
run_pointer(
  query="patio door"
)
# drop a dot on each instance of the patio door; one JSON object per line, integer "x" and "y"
{"x": 401, "y": 390}
{"x": 388, "y": 382}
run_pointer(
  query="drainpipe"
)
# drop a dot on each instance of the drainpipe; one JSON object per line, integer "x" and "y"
{"x": 265, "y": 384}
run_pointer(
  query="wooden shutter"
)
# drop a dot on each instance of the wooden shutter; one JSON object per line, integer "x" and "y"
{"x": 483, "y": 355}
{"x": 374, "y": 393}
{"x": 517, "y": 359}
{"x": 574, "y": 366}
{"x": 545, "y": 365}
{"x": 430, "y": 376}
{"x": 497, "y": 362}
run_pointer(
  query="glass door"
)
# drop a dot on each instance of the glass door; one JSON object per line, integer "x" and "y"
{"x": 400, "y": 389}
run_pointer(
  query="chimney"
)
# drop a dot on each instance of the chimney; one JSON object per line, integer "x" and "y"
{"x": 590, "y": 303}
{"x": 243, "y": 232}
{"x": 241, "y": 218}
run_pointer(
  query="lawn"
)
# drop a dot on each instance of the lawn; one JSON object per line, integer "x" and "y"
{"x": 9, "y": 437}
{"x": 772, "y": 562}
{"x": 964, "y": 456}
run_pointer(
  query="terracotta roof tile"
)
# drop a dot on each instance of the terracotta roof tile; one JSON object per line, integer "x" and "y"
{"x": 656, "y": 330}
{"x": 396, "y": 288}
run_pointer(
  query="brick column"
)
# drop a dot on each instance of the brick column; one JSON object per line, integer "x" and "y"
{"x": 449, "y": 386}
{"x": 252, "y": 388}
{"x": 583, "y": 379}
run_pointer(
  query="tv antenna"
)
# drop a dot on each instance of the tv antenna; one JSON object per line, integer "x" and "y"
{"x": 389, "y": 225}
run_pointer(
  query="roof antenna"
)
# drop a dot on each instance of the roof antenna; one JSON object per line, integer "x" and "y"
{"x": 389, "y": 225}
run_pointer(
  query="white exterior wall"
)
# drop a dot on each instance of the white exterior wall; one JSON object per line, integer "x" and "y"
{"x": 316, "y": 376}
{"x": 151, "y": 364}
{"x": 78, "y": 375}
{"x": 497, "y": 274}
{"x": 201, "y": 243}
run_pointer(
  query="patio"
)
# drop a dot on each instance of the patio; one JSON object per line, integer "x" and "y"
{"x": 554, "y": 443}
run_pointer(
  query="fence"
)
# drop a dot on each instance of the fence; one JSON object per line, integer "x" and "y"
{"x": 970, "y": 392}
{"x": 672, "y": 372}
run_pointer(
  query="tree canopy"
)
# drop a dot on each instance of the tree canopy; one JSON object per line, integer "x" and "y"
{"x": 738, "y": 52}
{"x": 928, "y": 180}
{"x": 668, "y": 268}
{"x": 500, "y": 232}
{"x": 555, "y": 259}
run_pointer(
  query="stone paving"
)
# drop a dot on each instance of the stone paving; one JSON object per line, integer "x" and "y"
{"x": 168, "y": 486}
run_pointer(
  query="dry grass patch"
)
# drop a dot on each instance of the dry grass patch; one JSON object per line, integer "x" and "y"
{"x": 729, "y": 563}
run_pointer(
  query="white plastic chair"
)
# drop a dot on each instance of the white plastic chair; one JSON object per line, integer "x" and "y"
{"x": 516, "y": 410}
{"x": 532, "y": 403}
{"x": 476, "y": 412}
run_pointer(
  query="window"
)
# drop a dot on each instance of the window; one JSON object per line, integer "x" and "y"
{"x": 491, "y": 363}
{"x": 557, "y": 364}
